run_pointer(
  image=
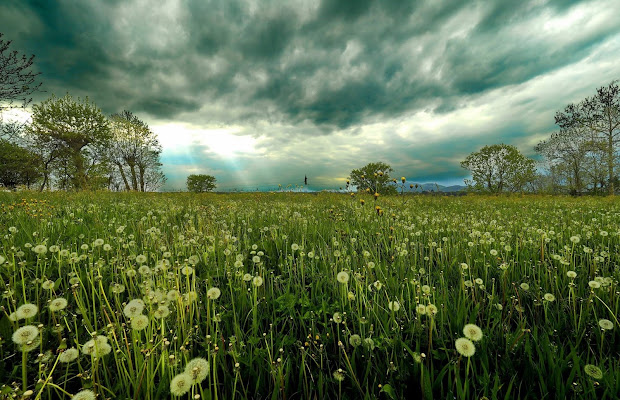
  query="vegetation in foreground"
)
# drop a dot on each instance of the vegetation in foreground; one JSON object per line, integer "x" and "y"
{"x": 150, "y": 296}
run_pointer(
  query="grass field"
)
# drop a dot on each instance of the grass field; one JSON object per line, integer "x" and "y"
{"x": 291, "y": 296}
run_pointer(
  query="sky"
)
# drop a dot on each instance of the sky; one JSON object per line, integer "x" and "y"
{"x": 261, "y": 93}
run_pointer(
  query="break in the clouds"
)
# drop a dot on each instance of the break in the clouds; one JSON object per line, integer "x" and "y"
{"x": 265, "y": 92}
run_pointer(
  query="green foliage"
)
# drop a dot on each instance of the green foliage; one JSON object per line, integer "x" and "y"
{"x": 134, "y": 153}
{"x": 374, "y": 177}
{"x": 18, "y": 165}
{"x": 77, "y": 130}
{"x": 499, "y": 168}
{"x": 201, "y": 183}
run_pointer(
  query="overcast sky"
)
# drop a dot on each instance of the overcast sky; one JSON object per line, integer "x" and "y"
{"x": 264, "y": 92}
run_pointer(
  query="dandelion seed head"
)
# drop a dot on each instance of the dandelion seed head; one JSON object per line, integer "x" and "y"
{"x": 473, "y": 332}
{"x": 343, "y": 277}
{"x": 198, "y": 369}
{"x": 213, "y": 293}
{"x": 58, "y": 304}
{"x": 25, "y": 334}
{"x": 465, "y": 347}
{"x": 180, "y": 384}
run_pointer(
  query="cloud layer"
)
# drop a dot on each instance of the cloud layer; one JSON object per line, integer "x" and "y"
{"x": 324, "y": 87}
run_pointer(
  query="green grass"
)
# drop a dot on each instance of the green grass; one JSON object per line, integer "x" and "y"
{"x": 498, "y": 262}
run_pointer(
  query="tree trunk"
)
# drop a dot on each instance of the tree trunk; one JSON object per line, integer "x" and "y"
{"x": 141, "y": 170}
{"x": 120, "y": 168}
{"x": 610, "y": 163}
{"x": 134, "y": 178}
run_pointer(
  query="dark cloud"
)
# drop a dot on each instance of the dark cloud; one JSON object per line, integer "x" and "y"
{"x": 336, "y": 63}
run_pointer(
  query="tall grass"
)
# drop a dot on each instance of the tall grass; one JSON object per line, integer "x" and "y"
{"x": 538, "y": 275}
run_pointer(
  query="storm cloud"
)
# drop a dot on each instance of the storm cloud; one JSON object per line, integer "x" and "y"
{"x": 414, "y": 83}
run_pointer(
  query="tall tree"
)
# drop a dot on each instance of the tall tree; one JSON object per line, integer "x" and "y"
{"x": 374, "y": 176}
{"x": 135, "y": 151}
{"x": 567, "y": 151}
{"x": 499, "y": 168}
{"x": 76, "y": 129}
{"x": 600, "y": 115}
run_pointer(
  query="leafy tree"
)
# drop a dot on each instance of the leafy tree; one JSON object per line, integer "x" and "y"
{"x": 599, "y": 115}
{"x": 17, "y": 81}
{"x": 134, "y": 151}
{"x": 18, "y": 165}
{"x": 76, "y": 130}
{"x": 499, "y": 168}
{"x": 200, "y": 183}
{"x": 566, "y": 152}
{"x": 374, "y": 176}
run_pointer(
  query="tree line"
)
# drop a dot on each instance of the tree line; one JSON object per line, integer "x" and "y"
{"x": 68, "y": 143}
{"x": 581, "y": 157}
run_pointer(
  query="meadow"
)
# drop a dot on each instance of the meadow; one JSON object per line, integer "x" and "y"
{"x": 299, "y": 296}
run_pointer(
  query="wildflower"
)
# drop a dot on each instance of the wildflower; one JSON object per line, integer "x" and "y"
{"x": 2, "y": 260}
{"x": 337, "y": 317}
{"x": 355, "y": 340}
{"x": 256, "y": 259}
{"x": 133, "y": 308}
{"x": 594, "y": 284}
{"x": 140, "y": 322}
{"x": 198, "y": 369}
{"x": 97, "y": 347}
{"x": 339, "y": 375}
{"x": 180, "y": 384}
{"x": 431, "y": 309}
{"x": 31, "y": 345}
{"x": 421, "y": 309}
{"x": 144, "y": 270}
{"x": 141, "y": 259}
{"x": 525, "y": 286}
{"x": 173, "y": 295}
{"x": 84, "y": 395}
{"x": 187, "y": 270}
{"x": 247, "y": 277}
{"x": 571, "y": 274}
{"x": 369, "y": 343}
{"x": 473, "y": 332}
{"x": 575, "y": 239}
{"x": 593, "y": 371}
{"x": 25, "y": 334}
{"x": 605, "y": 324}
{"x": 48, "y": 285}
{"x": 162, "y": 311}
{"x": 58, "y": 304}
{"x": 68, "y": 355}
{"x": 493, "y": 252}
{"x": 426, "y": 289}
{"x": 465, "y": 347}
{"x": 107, "y": 247}
{"x": 40, "y": 249}
{"x": 213, "y": 293}
{"x": 98, "y": 242}
{"x": 117, "y": 288}
{"x": 464, "y": 266}
{"x": 26, "y": 311}
{"x": 549, "y": 297}
{"x": 394, "y": 305}
{"x": 342, "y": 277}
{"x": 294, "y": 247}
{"x": 257, "y": 281}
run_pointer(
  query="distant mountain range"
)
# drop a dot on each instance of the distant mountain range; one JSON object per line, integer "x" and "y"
{"x": 427, "y": 187}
